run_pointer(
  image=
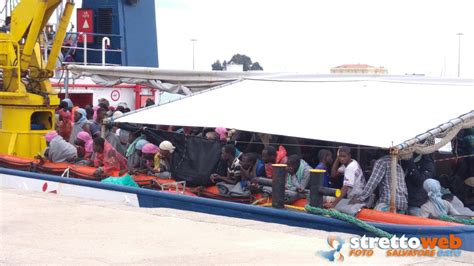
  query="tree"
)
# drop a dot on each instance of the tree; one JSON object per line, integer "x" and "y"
{"x": 217, "y": 66}
{"x": 256, "y": 66}
{"x": 242, "y": 60}
{"x": 239, "y": 59}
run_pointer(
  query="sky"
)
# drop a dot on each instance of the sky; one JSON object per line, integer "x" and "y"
{"x": 313, "y": 36}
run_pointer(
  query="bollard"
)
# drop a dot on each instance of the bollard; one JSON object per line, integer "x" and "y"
{"x": 278, "y": 185}
{"x": 327, "y": 191}
{"x": 316, "y": 182}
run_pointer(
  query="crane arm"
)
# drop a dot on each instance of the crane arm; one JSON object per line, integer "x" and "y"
{"x": 60, "y": 34}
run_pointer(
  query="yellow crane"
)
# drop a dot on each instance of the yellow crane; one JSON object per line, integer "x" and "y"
{"x": 26, "y": 95}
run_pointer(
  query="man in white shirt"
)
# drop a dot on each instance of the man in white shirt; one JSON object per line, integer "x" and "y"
{"x": 354, "y": 180}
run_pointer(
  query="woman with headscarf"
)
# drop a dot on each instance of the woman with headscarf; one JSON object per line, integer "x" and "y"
{"x": 107, "y": 160}
{"x": 84, "y": 145}
{"x": 165, "y": 159}
{"x": 151, "y": 156}
{"x": 80, "y": 124}
{"x": 134, "y": 161}
{"x": 222, "y": 133}
{"x": 65, "y": 124}
{"x": 133, "y": 138}
{"x": 69, "y": 103}
{"x": 435, "y": 206}
{"x": 58, "y": 149}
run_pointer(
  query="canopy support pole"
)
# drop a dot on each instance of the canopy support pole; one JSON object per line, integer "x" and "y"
{"x": 393, "y": 181}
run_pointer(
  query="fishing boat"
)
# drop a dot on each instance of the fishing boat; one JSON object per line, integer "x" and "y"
{"x": 378, "y": 121}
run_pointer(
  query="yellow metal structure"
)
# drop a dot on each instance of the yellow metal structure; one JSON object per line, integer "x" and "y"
{"x": 26, "y": 96}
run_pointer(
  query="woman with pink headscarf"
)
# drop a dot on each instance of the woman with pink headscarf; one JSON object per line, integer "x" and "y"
{"x": 222, "y": 132}
{"x": 58, "y": 149}
{"x": 84, "y": 145}
{"x": 151, "y": 154}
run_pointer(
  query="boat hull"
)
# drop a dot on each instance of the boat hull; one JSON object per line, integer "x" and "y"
{"x": 155, "y": 199}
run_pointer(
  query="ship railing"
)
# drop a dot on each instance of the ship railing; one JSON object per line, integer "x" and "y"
{"x": 179, "y": 186}
{"x": 77, "y": 37}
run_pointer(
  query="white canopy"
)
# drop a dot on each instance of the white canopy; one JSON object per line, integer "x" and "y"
{"x": 374, "y": 111}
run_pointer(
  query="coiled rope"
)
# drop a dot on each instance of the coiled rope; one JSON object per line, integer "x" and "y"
{"x": 448, "y": 218}
{"x": 348, "y": 218}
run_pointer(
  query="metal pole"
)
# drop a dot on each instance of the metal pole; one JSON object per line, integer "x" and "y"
{"x": 105, "y": 42}
{"x": 448, "y": 125}
{"x": 84, "y": 39}
{"x": 194, "y": 41}
{"x": 66, "y": 84}
{"x": 103, "y": 129}
{"x": 459, "y": 53}
{"x": 393, "y": 176}
{"x": 46, "y": 45}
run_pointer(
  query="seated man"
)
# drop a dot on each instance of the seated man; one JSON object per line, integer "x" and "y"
{"x": 107, "y": 159}
{"x": 325, "y": 161}
{"x": 233, "y": 166}
{"x": 435, "y": 206}
{"x": 381, "y": 176}
{"x": 58, "y": 149}
{"x": 251, "y": 168}
{"x": 271, "y": 156}
{"x": 354, "y": 180}
{"x": 417, "y": 170}
{"x": 298, "y": 174}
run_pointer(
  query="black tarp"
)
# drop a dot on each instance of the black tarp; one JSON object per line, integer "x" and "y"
{"x": 194, "y": 159}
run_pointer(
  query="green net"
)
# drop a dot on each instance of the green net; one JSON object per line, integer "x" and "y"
{"x": 125, "y": 180}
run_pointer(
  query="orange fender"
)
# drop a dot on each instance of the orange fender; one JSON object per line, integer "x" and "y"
{"x": 84, "y": 172}
{"x": 369, "y": 215}
{"x": 18, "y": 163}
{"x": 48, "y": 167}
{"x": 300, "y": 203}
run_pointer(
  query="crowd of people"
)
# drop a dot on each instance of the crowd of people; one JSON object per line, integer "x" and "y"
{"x": 421, "y": 195}
{"x": 81, "y": 138}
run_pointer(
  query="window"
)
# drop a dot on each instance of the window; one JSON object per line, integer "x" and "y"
{"x": 105, "y": 20}
{"x": 41, "y": 121}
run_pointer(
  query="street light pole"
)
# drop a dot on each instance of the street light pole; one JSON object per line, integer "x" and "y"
{"x": 194, "y": 41}
{"x": 459, "y": 53}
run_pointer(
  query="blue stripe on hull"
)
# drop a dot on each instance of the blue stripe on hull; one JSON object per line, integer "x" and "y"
{"x": 153, "y": 199}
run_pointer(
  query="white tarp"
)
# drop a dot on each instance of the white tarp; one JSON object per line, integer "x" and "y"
{"x": 371, "y": 111}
